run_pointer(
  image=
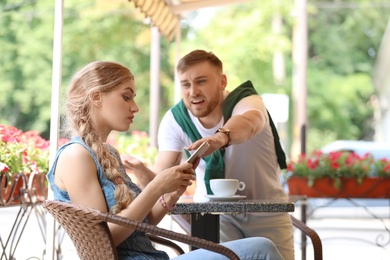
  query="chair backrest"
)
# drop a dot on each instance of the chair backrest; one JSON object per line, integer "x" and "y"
{"x": 87, "y": 230}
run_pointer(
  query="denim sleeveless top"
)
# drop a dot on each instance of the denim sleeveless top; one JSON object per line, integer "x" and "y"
{"x": 137, "y": 245}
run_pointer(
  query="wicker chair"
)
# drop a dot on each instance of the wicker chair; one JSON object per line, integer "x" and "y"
{"x": 184, "y": 222}
{"x": 88, "y": 230}
{"x": 315, "y": 239}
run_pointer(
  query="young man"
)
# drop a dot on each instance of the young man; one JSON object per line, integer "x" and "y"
{"x": 237, "y": 127}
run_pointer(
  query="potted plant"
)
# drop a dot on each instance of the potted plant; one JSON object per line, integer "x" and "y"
{"x": 24, "y": 161}
{"x": 340, "y": 174}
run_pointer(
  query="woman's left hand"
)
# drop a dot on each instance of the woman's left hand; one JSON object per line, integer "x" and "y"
{"x": 131, "y": 163}
{"x": 137, "y": 170}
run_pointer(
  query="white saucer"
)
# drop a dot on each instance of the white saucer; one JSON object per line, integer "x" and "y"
{"x": 229, "y": 198}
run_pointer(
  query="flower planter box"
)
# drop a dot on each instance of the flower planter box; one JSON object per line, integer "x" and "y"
{"x": 374, "y": 187}
{"x": 22, "y": 188}
{"x": 12, "y": 191}
{"x": 37, "y": 187}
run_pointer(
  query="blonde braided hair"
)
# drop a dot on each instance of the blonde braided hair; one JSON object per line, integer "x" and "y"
{"x": 98, "y": 76}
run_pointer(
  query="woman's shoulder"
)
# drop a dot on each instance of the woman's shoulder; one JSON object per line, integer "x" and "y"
{"x": 75, "y": 152}
{"x": 74, "y": 164}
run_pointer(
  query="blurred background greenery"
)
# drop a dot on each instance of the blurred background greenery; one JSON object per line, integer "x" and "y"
{"x": 343, "y": 43}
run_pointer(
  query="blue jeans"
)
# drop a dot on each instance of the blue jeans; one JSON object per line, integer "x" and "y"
{"x": 277, "y": 227}
{"x": 254, "y": 248}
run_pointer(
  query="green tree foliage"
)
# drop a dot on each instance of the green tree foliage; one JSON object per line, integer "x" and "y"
{"x": 241, "y": 35}
{"x": 93, "y": 30}
{"x": 25, "y": 63}
{"x": 344, "y": 37}
{"x": 109, "y": 31}
{"x": 338, "y": 107}
{"x": 114, "y": 30}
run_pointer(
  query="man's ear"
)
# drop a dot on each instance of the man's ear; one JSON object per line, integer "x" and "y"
{"x": 223, "y": 81}
{"x": 96, "y": 98}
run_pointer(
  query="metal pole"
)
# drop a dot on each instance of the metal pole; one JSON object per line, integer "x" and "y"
{"x": 154, "y": 86}
{"x": 300, "y": 91}
{"x": 299, "y": 77}
{"x": 55, "y": 115}
{"x": 177, "y": 96}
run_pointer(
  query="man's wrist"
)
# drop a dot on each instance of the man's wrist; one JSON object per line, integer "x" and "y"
{"x": 226, "y": 132}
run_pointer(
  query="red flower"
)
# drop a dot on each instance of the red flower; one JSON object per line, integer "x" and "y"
{"x": 312, "y": 164}
{"x": 290, "y": 167}
{"x": 335, "y": 165}
{"x": 333, "y": 156}
{"x": 4, "y": 167}
{"x": 318, "y": 154}
{"x": 23, "y": 151}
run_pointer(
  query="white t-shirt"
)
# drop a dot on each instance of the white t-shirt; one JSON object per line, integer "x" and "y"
{"x": 254, "y": 162}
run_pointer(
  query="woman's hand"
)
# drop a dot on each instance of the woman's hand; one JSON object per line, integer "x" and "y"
{"x": 132, "y": 163}
{"x": 137, "y": 170}
{"x": 175, "y": 179}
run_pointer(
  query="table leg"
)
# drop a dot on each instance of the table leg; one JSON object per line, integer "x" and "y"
{"x": 205, "y": 226}
{"x": 16, "y": 232}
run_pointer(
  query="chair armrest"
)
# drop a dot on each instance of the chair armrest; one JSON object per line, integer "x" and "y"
{"x": 151, "y": 229}
{"x": 165, "y": 242}
{"x": 315, "y": 239}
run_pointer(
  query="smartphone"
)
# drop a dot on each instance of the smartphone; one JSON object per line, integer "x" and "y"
{"x": 199, "y": 152}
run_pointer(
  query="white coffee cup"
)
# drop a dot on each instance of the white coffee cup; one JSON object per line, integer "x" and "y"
{"x": 226, "y": 187}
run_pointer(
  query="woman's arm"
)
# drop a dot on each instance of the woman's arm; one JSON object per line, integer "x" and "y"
{"x": 76, "y": 173}
{"x": 171, "y": 180}
{"x": 137, "y": 170}
{"x": 142, "y": 173}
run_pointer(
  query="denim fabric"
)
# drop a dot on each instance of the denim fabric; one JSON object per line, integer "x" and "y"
{"x": 137, "y": 246}
{"x": 278, "y": 228}
{"x": 254, "y": 248}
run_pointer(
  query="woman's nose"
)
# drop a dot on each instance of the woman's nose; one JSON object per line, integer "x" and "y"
{"x": 134, "y": 108}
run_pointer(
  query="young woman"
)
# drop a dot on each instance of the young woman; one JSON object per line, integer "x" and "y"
{"x": 87, "y": 171}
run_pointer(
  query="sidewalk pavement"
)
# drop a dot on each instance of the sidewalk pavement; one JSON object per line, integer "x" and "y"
{"x": 345, "y": 233}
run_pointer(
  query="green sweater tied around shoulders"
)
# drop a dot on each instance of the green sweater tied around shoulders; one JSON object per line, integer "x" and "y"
{"x": 215, "y": 166}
